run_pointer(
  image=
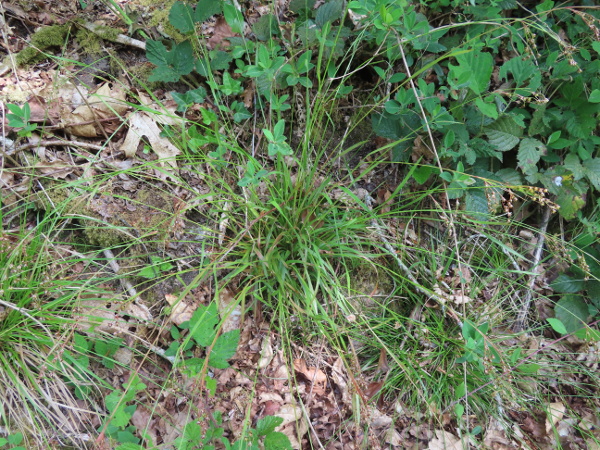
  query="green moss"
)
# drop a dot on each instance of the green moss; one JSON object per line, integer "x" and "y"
{"x": 89, "y": 43}
{"x": 44, "y": 39}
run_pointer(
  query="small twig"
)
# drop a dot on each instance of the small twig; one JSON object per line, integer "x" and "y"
{"x": 522, "y": 317}
{"x": 87, "y": 145}
{"x": 120, "y": 38}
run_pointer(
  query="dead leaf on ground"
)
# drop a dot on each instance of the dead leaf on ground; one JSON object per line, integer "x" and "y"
{"x": 107, "y": 103}
{"x": 221, "y": 32}
{"x": 315, "y": 376}
{"x": 556, "y": 411}
{"x": 445, "y": 441}
{"x": 142, "y": 125}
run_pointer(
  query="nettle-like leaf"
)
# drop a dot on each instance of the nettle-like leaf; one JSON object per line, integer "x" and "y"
{"x": 171, "y": 65}
{"x": 265, "y": 27}
{"x": 206, "y": 9}
{"x": 329, "y": 12}
{"x": 181, "y": 17}
{"x": 474, "y": 71}
{"x": 526, "y": 74}
{"x": 529, "y": 154}
{"x": 202, "y": 324}
{"x": 224, "y": 349}
{"x": 573, "y": 164}
{"x": 592, "y": 171}
{"x": 504, "y": 134}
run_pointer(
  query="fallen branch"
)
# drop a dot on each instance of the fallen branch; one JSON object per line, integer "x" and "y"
{"x": 100, "y": 31}
{"x": 537, "y": 255}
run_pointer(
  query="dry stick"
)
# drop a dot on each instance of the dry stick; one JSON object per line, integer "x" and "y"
{"x": 522, "y": 317}
{"x": 120, "y": 39}
{"x": 61, "y": 143}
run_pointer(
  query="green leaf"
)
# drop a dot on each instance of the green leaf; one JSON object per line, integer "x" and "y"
{"x": 488, "y": 109}
{"x": 595, "y": 96}
{"x": 566, "y": 284}
{"x": 422, "y": 173}
{"x": 530, "y": 368}
{"x": 156, "y": 52}
{"x": 557, "y": 326}
{"x": 593, "y": 292}
{"x": 592, "y": 171}
{"x": 502, "y": 141}
{"x": 526, "y": 74}
{"x": 170, "y": 65}
{"x": 572, "y": 311}
{"x": 573, "y": 164}
{"x": 267, "y": 425}
{"x": 202, "y": 324}
{"x": 234, "y": 18}
{"x": 206, "y": 9}
{"x": 277, "y": 441}
{"x": 181, "y": 17}
{"x": 474, "y": 71}
{"x": 224, "y": 349}
{"x": 329, "y": 12}
{"x": 530, "y": 152}
{"x": 265, "y": 27}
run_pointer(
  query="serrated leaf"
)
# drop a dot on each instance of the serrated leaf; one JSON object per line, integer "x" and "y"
{"x": 566, "y": 284}
{"x": 265, "y": 27}
{"x": 593, "y": 292}
{"x": 329, "y": 12}
{"x": 206, "y": 9}
{"x": 570, "y": 203}
{"x": 510, "y": 176}
{"x": 181, "y": 17}
{"x": 501, "y": 140}
{"x": 164, "y": 74}
{"x": 267, "y": 424}
{"x": 476, "y": 204}
{"x": 277, "y": 441}
{"x": 530, "y": 152}
{"x": 224, "y": 349}
{"x": 202, "y": 324}
{"x": 573, "y": 164}
{"x": 488, "y": 109}
{"x": 474, "y": 71}
{"x": 234, "y": 18}
{"x": 592, "y": 171}
{"x": 156, "y": 52}
{"x": 572, "y": 311}
{"x": 525, "y": 73}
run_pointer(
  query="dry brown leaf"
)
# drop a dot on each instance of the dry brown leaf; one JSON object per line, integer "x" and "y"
{"x": 445, "y": 441}
{"x": 266, "y": 353}
{"x": 141, "y": 125}
{"x": 315, "y": 376}
{"x": 180, "y": 310}
{"x": 221, "y": 32}
{"x": 556, "y": 412}
{"x": 106, "y": 103}
{"x": 229, "y": 310}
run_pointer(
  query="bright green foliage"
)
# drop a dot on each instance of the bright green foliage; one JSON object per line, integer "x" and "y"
{"x": 203, "y": 332}
{"x": 19, "y": 118}
{"x": 14, "y": 441}
{"x": 581, "y": 287}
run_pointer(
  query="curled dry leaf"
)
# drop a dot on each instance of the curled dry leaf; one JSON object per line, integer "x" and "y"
{"x": 142, "y": 125}
{"x": 108, "y": 102}
{"x": 313, "y": 375}
{"x": 444, "y": 440}
{"x": 180, "y": 310}
{"x": 556, "y": 411}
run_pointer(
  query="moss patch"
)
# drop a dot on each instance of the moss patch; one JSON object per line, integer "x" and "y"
{"x": 44, "y": 39}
